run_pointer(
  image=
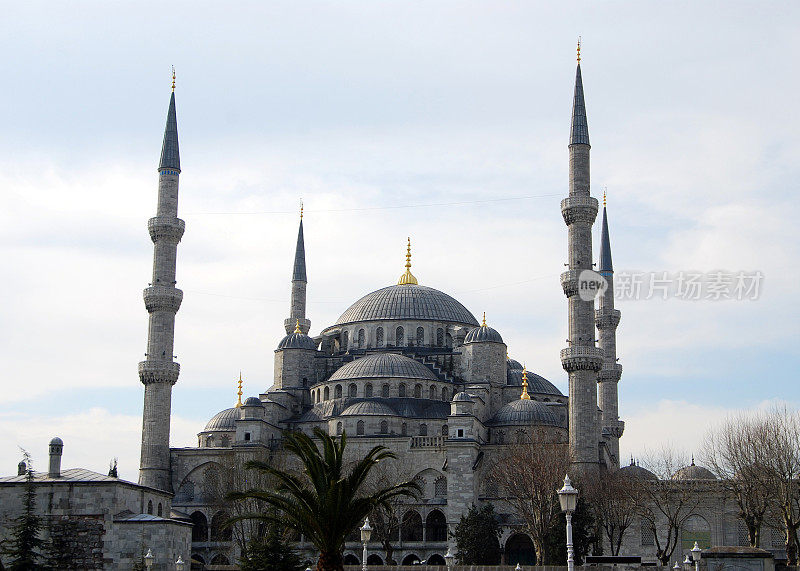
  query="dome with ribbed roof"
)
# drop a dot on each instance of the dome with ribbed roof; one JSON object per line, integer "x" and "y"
{"x": 463, "y": 397}
{"x": 369, "y": 408}
{"x": 694, "y": 472}
{"x": 297, "y": 341}
{"x": 407, "y": 301}
{"x": 383, "y": 365}
{"x": 525, "y": 412}
{"x": 483, "y": 334}
{"x": 536, "y": 383}
{"x": 513, "y": 364}
{"x": 636, "y": 471}
{"x": 224, "y": 420}
{"x": 252, "y": 401}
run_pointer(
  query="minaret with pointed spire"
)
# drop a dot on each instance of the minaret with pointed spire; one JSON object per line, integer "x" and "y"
{"x": 581, "y": 359}
{"x": 158, "y": 372}
{"x": 297, "y": 305}
{"x": 606, "y": 318}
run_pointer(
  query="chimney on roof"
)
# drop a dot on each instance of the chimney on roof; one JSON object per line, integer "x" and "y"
{"x": 56, "y": 447}
{"x": 22, "y": 468}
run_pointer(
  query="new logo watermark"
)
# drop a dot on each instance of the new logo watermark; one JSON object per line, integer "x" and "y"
{"x": 591, "y": 285}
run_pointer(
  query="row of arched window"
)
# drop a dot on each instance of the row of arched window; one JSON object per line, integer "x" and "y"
{"x": 159, "y": 509}
{"x": 218, "y": 530}
{"x": 433, "y": 393}
{"x": 400, "y": 339}
{"x": 411, "y": 528}
{"x": 383, "y": 428}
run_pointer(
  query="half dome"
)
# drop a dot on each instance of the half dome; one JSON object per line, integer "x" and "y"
{"x": 414, "y": 302}
{"x": 369, "y": 408}
{"x": 223, "y": 421}
{"x": 383, "y": 365}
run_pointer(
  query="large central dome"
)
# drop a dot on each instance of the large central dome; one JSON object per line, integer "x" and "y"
{"x": 407, "y": 301}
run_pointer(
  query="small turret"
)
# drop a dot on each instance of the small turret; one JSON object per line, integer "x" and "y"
{"x": 22, "y": 468}
{"x": 56, "y": 447}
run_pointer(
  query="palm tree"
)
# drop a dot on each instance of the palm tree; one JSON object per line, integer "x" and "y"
{"x": 325, "y": 502}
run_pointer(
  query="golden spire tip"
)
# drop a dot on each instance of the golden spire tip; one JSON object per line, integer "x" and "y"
{"x": 239, "y": 401}
{"x": 301, "y": 210}
{"x": 484, "y": 320}
{"x": 524, "y": 395}
{"x": 408, "y": 278}
{"x": 604, "y": 196}
{"x": 173, "y": 79}
{"x": 297, "y": 326}
{"x": 579, "y": 50}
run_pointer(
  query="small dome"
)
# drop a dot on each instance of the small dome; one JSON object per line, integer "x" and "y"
{"x": 383, "y": 365}
{"x": 56, "y": 442}
{"x": 252, "y": 401}
{"x": 369, "y": 408}
{"x": 223, "y": 421}
{"x": 634, "y": 471}
{"x": 513, "y": 364}
{"x": 526, "y": 412}
{"x": 297, "y": 341}
{"x": 463, "y": 397}
{"x": 536, "y": 383}
{"x": 483, "y": 334}
{"x": 694, "y": 472}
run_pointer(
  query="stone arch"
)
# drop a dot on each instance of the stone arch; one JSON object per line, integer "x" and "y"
{"x": 435, "y": 526}
{"x": 360, "y": 427}
{"x": 440, "y": 487}
{"x": 199, "y": 527}
{"x": 374, "y": 559}
{"x": 220, "y": 531}
{"x": 327, "y": 393}
{"x": 411, "y": 527}
{"x": 519, "y": 549}
{"x": 379, "y": 338}
{"x": 220, "y": 559}
{"x": 351, "y": 559}
{"x": 695, "y": 528}
{"x": 197, "y": 561}
{"x": 337, "y": 392}
{"x": 417, "y": 391}
{"x": 368, "y": 390}
{"x": 436, "y": 559}
{"x": 411, "y": 559}
{"x": 352, "y": 390}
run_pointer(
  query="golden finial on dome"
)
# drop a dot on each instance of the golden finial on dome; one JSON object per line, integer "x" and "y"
{"x": 605, "y": 189}
{"x": 408, "y": 278}
{"x": 173, "y": 78}
{"x": 301, "y": 210}
{"x": 239, "y": 402}
{"x": 297, "y": 326}
{"x": 484, "y": 320}
{"x": 579, "y": 50}
{"x": 524, "y": 395}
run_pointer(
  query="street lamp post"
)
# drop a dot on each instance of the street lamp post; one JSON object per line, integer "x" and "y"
{"x": 696, "y": 551}
{"x": 148, "y": 559}
{"x": 366, "y": 533}
{"x": 568, "y": 496}
{"x": 179, "y": 564}
{"x": 677, "y": 566}
{"x": 448, "y": 559}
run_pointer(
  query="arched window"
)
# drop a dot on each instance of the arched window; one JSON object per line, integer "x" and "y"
{"x": 448, "y": 339}
{"x": 384, "y": 427}
{"x": 159, "y": 511}
{"x": 385, "y": 391}
{"x": 327, "y": 393}
{"x": 399, "y": 336}
{"x": 361, "y": 339}
{"x": 199, "y": 527}
{"x": 648, "y": 539}
{"x": 337, "y": 392}
{"x": 519, "y": 549}
{"x": 374, "y": 559}
{"x": 220, "y": 559}
{"x": 379, "y": 337}
{"x": 350, "y": 559}
{"x": 444, "y": 430}
{"x": 501, "y": 436}
{"x": 436, "y": 560}
{"x": 411, "y": 526}
{"x": 314, "y": 397}
{"x": 695, "y": 529}
{"x": 435, "y": 526}
{"x": 338, "y": 428}
{"x": 423, "y": 429}
{"x": 150, "y": 507}
{"x": 220, "y": 531}
{"x": 432, "y": 392}
{"x": 360, "y": 427}
{"x": 402, "y": 390}
{"x": 440, "y": 487}
{"x": 368, "y": 390}
{"x": 352, "y": 390}
{"x": 417, "y": 391}
{"x": 420, "y": 336}
{"x": 404, "y": 429}
{"x": 225, "y": 441}
{"x": 344, "y": 341}
{"x": 439, "y": 337}
{"x": 444, "y": 393}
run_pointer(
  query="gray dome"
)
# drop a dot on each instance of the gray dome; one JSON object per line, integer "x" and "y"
{"x": 483, "y": 334}
{"x": 634, "y": 471}
{"x": 383, "y": 365}
{"x": 525, "y": 412}
{"x": 369, "y": 408}
{"x": 513, "y": 364}
{"x": 407, "y": 302}
{"x": 223, "y": 421}
{"x": 463, "y": 397}
{"x": 536, "y": 383}
{"x": 56, "y": 441}
{"x": 252, "y": 401}
{"x": 694, "y": 472}
{"x": 297, "y": 341}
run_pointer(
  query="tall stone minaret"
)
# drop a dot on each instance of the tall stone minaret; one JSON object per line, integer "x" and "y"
{"x": 297, "y": 308}
{"x": 606, "y": 318}
{"x": 162, "y": 299}
{"x": 581, "y": 359}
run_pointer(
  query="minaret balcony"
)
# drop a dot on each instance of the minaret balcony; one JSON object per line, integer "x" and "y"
{"x": 162, "y": 298}
{"x": 569, "y": 282}
{"x": 614, "y": 429}
{"x": 166, "y": 228}
{"x": 579, "y": 209}
{"x": 159, "y": 372}
{"x": 582, "y": 359}
{"x": 606, "y": 318}
{"x": 610, "y": 372}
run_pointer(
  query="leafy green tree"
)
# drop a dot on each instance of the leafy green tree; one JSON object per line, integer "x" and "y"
{"x": 270, "y": 553}
{"x": 583, "y": 536}
{"x": 21, "y": 551}
{"x": 325, "y": 501}
{"x": 477, "y": 537}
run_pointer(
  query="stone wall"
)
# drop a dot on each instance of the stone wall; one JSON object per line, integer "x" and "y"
{"x": 75, "y": 542}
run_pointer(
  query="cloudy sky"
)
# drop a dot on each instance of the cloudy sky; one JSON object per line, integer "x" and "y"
{"x": 444, "y": 121}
